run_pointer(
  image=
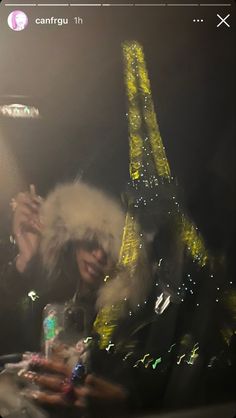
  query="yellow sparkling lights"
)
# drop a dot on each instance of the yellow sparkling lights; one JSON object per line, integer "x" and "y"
{"x": 105, "y": 323}
{"x": 141, "y": 114}
{"x": 142, "y": 121}
{"x": 106, "y": 320}
{"x": 194, "y": 242}
{"x": 129, "y": 252}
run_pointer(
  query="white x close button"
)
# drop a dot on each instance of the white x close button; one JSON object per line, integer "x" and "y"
{"x": 223, "y": 20}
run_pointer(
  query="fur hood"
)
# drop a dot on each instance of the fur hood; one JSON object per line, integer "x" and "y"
{"x": 77, "y": 211}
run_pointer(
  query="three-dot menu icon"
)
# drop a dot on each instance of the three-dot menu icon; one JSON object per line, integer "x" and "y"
{"x": 198, "y": 20}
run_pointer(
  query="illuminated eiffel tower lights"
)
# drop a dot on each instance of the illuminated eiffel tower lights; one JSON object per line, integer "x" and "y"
{"x": 148, "y": 160}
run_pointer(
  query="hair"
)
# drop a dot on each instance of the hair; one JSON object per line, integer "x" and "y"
{"x": 13, "y": 18}
{"x": 77, "y": 212}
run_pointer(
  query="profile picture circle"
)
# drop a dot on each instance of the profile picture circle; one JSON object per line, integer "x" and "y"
{"x": 17, "y": 20}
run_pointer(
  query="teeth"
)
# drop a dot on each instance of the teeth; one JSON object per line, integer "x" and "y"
{"x": 92, "y": 271}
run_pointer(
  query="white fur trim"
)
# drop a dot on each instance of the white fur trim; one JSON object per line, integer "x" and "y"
{"x": 74, "y": 210}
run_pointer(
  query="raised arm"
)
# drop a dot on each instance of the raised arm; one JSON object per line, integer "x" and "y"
{"x": 26, "y": 226}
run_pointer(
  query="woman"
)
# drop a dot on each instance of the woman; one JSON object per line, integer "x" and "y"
{"x": 74, "y": 238}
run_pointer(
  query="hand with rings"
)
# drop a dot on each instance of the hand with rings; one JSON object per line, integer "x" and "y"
{"x": 27, "y": 225}
{"x": 56, "y": 386}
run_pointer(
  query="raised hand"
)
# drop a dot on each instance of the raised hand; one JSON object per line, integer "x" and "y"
{"x": 27, "y": 226}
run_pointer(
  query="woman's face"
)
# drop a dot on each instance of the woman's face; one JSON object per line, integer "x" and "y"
{"x": 92, "y": 262}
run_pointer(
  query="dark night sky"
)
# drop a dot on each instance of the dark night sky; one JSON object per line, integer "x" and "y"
{"x": 75, "y": 75}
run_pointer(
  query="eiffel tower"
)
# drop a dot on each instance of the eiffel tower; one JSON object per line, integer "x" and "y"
{"x": 150, "y": 180}
{"x": 151, "y": 183}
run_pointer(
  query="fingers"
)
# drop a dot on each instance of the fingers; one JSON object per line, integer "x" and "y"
{"x": 36, "y": 198}
{"x": 25, "y": 224}
{"x": 31, "y": 201}
{"x": 26, "y": 208}
{"x": 97, "y": 383}
{"x": 96, "y": 387}
{"x": 102, "y": 389}
{"x": 32, "y": 190}
{"x": 36, "y": 225}
{"x": 56, "y": 399}
{"x": 63, "y": 392}
{"x": 26, "y": 215}
{"x": 53, "y": 366}
{"x": 47, "y": 381}
{"x": 48, "y": 398}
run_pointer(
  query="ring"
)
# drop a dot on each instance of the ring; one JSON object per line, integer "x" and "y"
{"x": 78, "y": 374}
{"x": 67, "y": 388}
{"x": 31, "y": 376}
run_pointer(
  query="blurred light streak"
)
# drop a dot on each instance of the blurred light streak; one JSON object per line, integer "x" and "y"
{"x": 20, "y": 111}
